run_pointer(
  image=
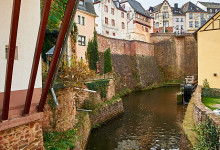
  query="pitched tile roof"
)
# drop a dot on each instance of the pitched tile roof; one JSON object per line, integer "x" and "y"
{"x": 210, "y": 4}
{"x": 190, "y": 7}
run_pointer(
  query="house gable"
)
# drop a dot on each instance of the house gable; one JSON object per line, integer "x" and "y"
{"x": 212, "y": 24}
{"x": 164, "y": 5}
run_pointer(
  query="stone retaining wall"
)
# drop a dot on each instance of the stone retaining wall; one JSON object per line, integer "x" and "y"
{"x": 201, "y": 112}
{"x": 108, "y": 112}
{"x": 104, "y": 114}
{"x": 83, "y": 133}
{"x": 26, "y": 136}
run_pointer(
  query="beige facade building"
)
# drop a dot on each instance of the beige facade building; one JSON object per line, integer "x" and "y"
{"x": 208, "y": 37}
{"x": 195, "y": 16}
{"x": 85, "y": 20}
{"x": 163, "y": 17}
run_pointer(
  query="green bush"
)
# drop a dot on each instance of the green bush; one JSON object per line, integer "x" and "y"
{"x": 209, "y": 137}
{"x": 59, "y": 140}
{"x": 99, "y": 86}
{"x": 88, "y": 105}
{"x": 107, "y": 61}
{"x": 92, "y": 53}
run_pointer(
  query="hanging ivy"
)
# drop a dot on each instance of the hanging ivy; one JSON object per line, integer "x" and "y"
{"x": 100, "y": 86}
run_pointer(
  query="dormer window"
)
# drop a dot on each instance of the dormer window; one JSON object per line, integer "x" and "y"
{"x": 81, "y": 2}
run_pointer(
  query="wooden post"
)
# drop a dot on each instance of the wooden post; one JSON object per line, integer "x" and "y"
{"x": 11, "y": 55}
{"x": 38, "y": 50}
{"x": 59, "y": 43}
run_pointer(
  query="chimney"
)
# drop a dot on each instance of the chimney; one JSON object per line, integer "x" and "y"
{"x": 176, "y": 5}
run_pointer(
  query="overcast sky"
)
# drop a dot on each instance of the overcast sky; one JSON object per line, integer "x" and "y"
{"x": 147, "y": 3}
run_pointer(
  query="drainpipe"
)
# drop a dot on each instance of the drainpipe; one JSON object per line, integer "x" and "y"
{"x": 62, "y": 50}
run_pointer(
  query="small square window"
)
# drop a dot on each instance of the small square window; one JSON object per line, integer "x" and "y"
{"x": 81, "y": 40}
{"x": 7, "y": 52}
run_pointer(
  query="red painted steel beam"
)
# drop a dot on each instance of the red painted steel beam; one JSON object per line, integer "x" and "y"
{"x": 58, "y": 46}
{"x": 38, "y": 50}
{"x": 11, "y": 56}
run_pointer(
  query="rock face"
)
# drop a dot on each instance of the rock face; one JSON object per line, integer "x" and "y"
{"x": 26, "y": 136}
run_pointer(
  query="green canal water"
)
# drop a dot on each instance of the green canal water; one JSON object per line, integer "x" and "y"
{"x": 152, "y": 120}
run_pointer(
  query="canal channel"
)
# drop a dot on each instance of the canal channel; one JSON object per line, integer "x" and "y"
{"x": 152, "y": 120}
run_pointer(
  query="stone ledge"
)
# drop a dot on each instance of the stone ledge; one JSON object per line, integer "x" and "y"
{"x": 20, "y": 121}
{"x": 200, "y": 111}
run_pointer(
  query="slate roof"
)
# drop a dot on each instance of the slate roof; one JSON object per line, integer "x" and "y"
{"x": 118, "y": 6}
{"x": 156, "y": 8}
{"x": 178, "y": 12}
{"x": 115, "y": 2}
{"x": 210, "y": 4}
{"x": 190, "y": 7}
{"x": 137, "y": 7}
{"x": 88, "y": 7}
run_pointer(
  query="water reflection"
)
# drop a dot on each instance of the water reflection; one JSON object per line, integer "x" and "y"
{"x": 151, "y": 120}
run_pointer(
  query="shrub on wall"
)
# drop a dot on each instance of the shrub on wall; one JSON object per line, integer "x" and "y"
{"x": 92, "y": 53}
{"x": 107, "y": 61}
{"x": 209, "y": 136}
{"x": 99, "y": 86}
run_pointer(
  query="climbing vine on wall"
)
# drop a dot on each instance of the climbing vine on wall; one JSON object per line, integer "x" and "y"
{"x": 209, "y": 136}
{"x": 99, "y": 86}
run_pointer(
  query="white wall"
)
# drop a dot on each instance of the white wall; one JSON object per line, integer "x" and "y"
{"x": 98, "y": 19}
{"x": 130, "y": 24}
{"x": 101, "y": 27}
{"x": 26, "y": 42}
{"x": 175, "y": 23}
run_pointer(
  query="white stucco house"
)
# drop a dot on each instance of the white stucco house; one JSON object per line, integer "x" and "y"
{"x": 179, "y": 20}
{"x": 111, "y": 20}
{"x": 28, "y": 26}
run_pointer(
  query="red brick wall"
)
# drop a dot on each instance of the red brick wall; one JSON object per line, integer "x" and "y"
{"x": 176, "y": 56}
{"x": 122, "y": 47}
{"x": 158, "y": 30}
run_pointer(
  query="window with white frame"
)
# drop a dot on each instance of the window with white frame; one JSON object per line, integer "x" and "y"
{"x": 182, "y": 27}
{"x": 190, "y": 16}
{"x": 177, "y": 19}
{"x": 83, "y": 20}
{"x": 191, "y": 24}
{"x": 166, "y": 15}
{"x": 106, "y": 8}
{"x": 79, "y": 19}
{"x": 202, "y": 16}
{"x": 177, "y": 27}
{"x": 156, "y": 16}
{"x": 81, "y": 40}
{"x": 196, "y": 23}
{"x": 157, "y": 25}
{"x": 181, "y": 20}
{"x": 166, "y": 24}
